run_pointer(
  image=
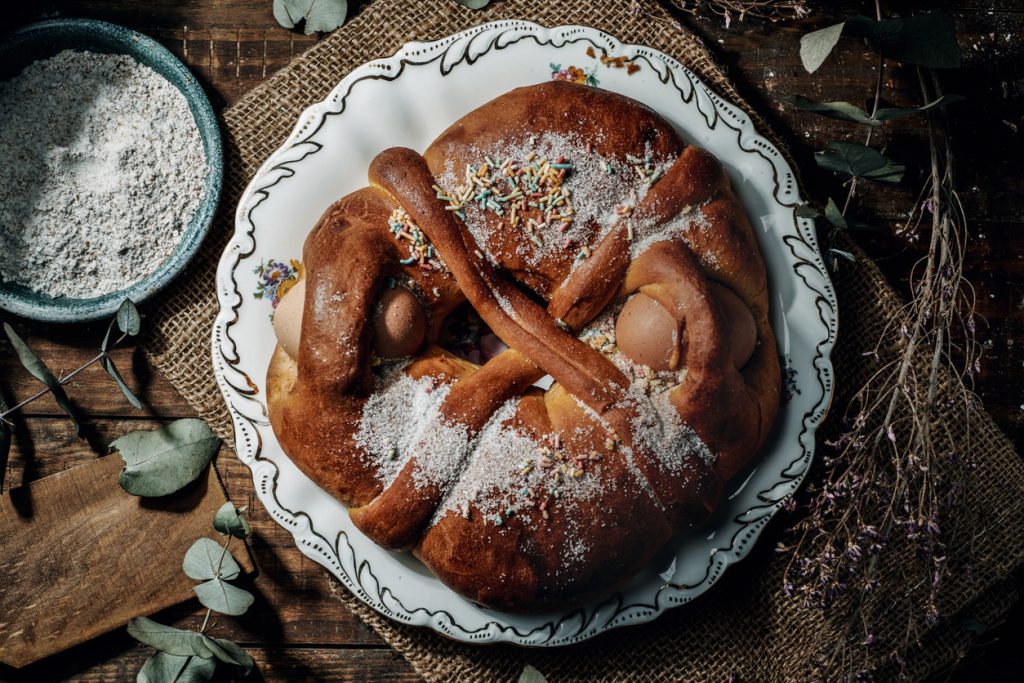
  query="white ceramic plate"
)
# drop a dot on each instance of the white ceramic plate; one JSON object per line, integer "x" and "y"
{"x": 408, "y": 99}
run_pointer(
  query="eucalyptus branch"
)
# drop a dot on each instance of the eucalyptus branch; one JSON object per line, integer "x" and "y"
{"x": 195, "y": 653}
{"x": 874, "y": 110}
{"x": 62, "y": 380}
{"x": 127, "y": 320}
{"x": 209, "y": 611}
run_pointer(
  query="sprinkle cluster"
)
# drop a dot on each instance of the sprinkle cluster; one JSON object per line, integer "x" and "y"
{"x": 559, "y": 466}
{"x": 529, "y": 193}
{"x": 421, "y": 251}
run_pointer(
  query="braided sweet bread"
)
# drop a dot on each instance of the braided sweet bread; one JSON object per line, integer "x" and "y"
{"x": 640, "y": 372}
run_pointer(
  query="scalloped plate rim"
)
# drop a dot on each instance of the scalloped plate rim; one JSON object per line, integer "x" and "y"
{"x": 498, "y": 628}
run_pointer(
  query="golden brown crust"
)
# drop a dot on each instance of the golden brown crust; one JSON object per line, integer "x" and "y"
{"x": 533, "y": 559}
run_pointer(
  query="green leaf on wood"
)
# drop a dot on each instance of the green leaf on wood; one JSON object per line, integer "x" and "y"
{"x": 128, "y": 319}
{"x": 231, "y": 522}
{"x": 890, "y": 113}
{"x": 806, "y": 211}
{"x": 834, "y": 110}
{"x": 39, "y": 370}
{"x": 108, "y": 365}
{"x": 221, "y": 596}
{"x": 166, "y": 668}
{"x": 816, "y": 46}
{"x": 175, "y": 641}
{"x": 228, "y": 652}
{"x": 531, "y": 675}
{"x": 318, "y": 15}
{"x": 474, "y": 4}
{"x": 834, "y": 216}
{"x": 928, "y": 40}
{"x": 851, "y": 112}
{"x": 106, "y": 337}
{"x": 860, "y": 161}
{"x": 164, "y": 460}
{"x": 203, "y": 561}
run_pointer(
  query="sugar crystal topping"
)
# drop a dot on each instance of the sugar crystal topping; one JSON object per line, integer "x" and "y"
{"x": 560, "y": 196}
{"x": 555, "y": 190}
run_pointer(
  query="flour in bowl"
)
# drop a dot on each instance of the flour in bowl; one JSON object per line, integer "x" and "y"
{"x": 101, "y": 170}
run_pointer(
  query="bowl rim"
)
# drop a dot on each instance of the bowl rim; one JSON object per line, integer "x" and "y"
{"x": 22, "y": 301}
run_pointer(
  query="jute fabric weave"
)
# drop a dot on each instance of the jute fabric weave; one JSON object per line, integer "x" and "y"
{"x": 744, "y": 627}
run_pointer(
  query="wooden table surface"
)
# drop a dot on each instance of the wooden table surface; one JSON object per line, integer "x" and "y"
{"x": 295, "y": 630}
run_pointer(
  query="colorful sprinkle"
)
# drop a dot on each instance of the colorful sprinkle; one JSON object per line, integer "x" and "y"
{"x": 421, "y": 252}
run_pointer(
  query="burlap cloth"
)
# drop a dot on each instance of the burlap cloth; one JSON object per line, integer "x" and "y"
{"x": 744, "y": 626}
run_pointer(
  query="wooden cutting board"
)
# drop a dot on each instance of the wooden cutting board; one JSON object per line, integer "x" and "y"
{"x": 79, "y": 556}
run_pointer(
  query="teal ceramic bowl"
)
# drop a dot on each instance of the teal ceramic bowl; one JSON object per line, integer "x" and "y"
{"x": 47, "y": 38}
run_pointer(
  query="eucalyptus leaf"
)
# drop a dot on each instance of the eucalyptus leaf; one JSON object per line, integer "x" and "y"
{"x": 927, "y": 40}
{"x": 816, "y": 46}
{"x": 221, "y": 596}
{"x": 835, "y": 110}
{"x": 318, "y": 15}
{"x": 890, "y": 113}
{"x": 175, "y": 641}
{"x": 806, "y": 211}
{"x": 111, "y": 369}
{"x": 860, "y": 161}
{"x": 851, "y": 112}
{"x": 228, "y": 652}
{"x": 164, "y": 460}
{"x": 128, "y": 319}
{"x": 474, "y": 4}
{"x": 164, "y": 668}
{"x": 834, "y": 216}
{"x": 203, "y": 559}
{"x": 106, "y": 337}
{"x": 531, "y": 675}
{"x": 39, "y": 370}
{"x": 229, "y": 521}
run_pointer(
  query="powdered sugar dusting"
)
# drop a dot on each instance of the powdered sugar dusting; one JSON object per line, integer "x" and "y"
{"x": 509, "y": 472}
{"x": 586, "y": 200}
{"x": 648, "y": 233}
{"x": 657, "y": 427}
{"x": 394, "y": 418}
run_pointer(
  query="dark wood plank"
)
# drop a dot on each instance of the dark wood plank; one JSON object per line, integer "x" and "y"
{"x": 65, "y": 534}
{"x": 294, "y": 604}
{"x": 233, "y": 44}
{"x": 322, "y": 664}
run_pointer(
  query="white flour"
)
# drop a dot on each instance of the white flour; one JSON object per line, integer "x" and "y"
{"x": 101, "y": 170}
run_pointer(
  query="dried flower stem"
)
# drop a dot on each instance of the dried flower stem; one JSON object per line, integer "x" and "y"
{"x": 770, "y": 10}
{"x": 874, "y": 110}
{"x": 893, "y": 481}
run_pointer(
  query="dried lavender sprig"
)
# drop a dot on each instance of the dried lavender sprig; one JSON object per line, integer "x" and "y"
{"x": 868, "y": 498}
